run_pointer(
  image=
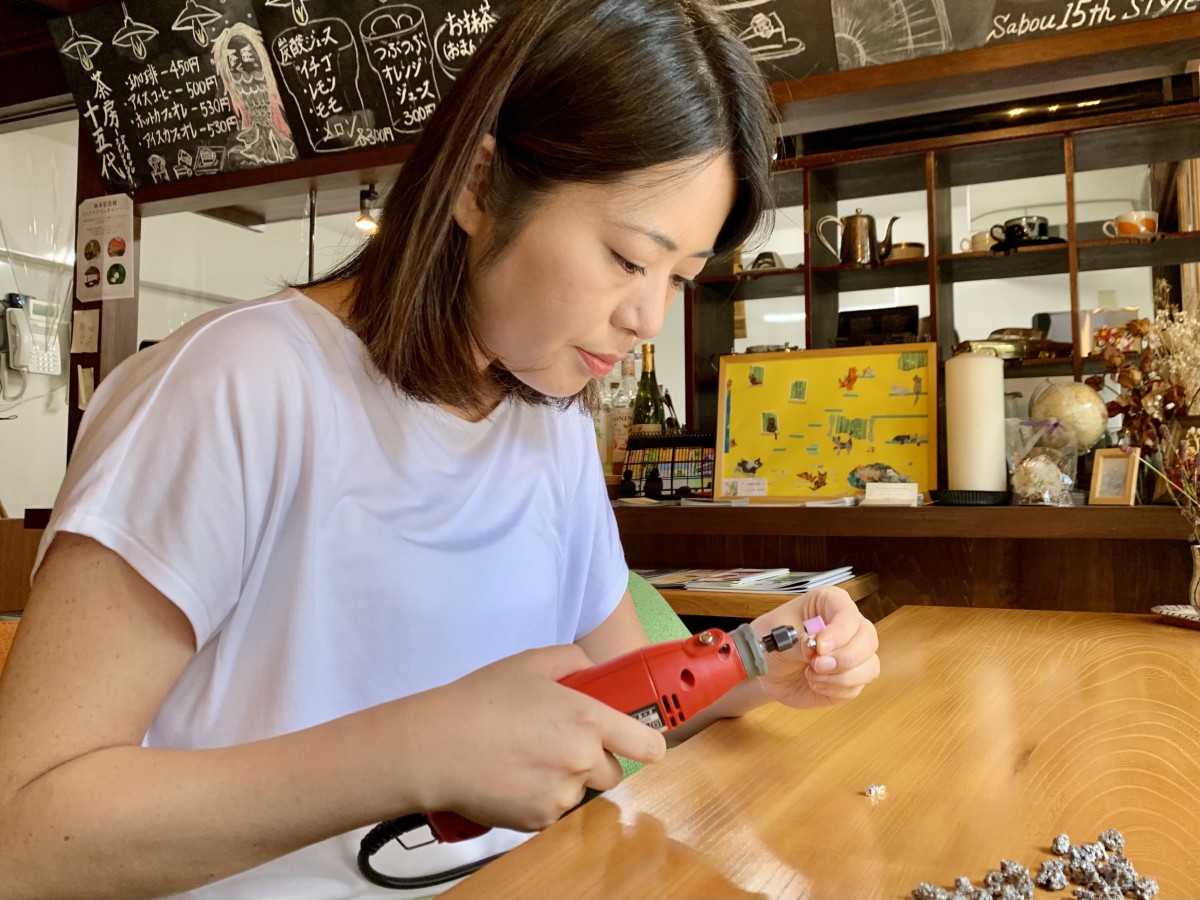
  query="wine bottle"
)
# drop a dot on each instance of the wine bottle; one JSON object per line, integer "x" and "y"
{"x": 621, "y": 415}
{"x": 647, "y": 406}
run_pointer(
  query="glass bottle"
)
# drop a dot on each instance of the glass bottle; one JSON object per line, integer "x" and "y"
{"x": 602, "y": 420}
{"x": 648, "y": 405}
{"x": 671, "y": 422}
{"x": 621, "y": 414}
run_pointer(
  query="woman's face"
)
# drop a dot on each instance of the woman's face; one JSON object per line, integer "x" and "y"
{"x": 594, "y": 269}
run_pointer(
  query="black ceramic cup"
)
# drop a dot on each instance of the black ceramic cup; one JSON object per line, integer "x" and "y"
{"x": 1022, "y": 228}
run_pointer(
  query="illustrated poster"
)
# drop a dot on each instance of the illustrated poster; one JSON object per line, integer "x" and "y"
{"x": 104, "y": 249}
{"x": 824, "y": 423}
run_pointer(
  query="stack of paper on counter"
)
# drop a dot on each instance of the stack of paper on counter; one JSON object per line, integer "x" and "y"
{"x": 778, "y": 580}
{"x": 672, "y": 578}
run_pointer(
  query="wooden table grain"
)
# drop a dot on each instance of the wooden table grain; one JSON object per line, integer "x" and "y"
{"x": 992, "y": 730}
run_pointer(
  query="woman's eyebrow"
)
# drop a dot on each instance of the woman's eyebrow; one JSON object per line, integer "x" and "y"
{"x": 662, "y": 240}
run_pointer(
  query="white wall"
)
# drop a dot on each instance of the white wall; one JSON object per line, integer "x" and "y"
{"x": 37, "y": 212}
{"x": 189, "y": 264}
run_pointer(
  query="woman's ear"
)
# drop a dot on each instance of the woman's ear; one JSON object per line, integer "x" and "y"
{"x": 470, "y": 211}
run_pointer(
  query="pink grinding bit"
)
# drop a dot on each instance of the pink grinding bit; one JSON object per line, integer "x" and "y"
{"x": 813, "y": 627}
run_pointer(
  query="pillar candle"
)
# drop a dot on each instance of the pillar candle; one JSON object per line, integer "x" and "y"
{"x": 975, "y": 423}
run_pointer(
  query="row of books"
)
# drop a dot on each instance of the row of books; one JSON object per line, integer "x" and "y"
{"x": 778, "y": 580}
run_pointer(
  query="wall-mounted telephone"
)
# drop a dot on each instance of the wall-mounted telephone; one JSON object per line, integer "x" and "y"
{"x": 36, "y": 354}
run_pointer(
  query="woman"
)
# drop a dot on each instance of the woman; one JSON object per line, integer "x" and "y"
{"x": 320, "y": 559}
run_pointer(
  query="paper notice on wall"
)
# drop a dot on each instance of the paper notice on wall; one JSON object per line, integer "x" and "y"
{"x": 85, "y": 331}
{"x": 87, "y": 385}
{"x": 104, "y": 249}
{"x": 744, "y": 487}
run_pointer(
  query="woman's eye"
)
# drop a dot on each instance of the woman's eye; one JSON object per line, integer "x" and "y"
{"x": 678, "y": 282}
{"x": 630, "y": 268}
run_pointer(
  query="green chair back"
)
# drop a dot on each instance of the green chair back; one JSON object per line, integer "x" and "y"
{"x": 660, "y": 624}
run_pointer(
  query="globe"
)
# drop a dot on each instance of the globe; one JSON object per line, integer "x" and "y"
{"x": 1078, "y": 407}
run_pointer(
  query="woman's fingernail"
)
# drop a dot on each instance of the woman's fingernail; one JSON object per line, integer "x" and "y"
{"x": 824, "y": 664}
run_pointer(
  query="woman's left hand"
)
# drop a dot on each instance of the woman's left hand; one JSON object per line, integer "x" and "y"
{"x": 842, "y": 664}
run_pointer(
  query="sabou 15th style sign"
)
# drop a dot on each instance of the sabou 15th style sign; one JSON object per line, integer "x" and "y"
{"x": 1080, "y": 14}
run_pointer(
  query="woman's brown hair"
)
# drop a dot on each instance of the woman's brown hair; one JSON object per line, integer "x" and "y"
{"x": 573, "y": 91}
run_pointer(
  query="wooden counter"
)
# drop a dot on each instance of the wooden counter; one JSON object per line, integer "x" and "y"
{"x": 993, "y": 731}
{"x": 1100, "y": 559}
{"x": 18, "y": 548}
{"x": 1122, "y": 523}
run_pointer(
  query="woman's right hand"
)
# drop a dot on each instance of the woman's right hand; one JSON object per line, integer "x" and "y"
{"x": 510, "y": 747}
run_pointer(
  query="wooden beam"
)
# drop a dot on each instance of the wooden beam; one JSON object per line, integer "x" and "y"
{"x": 991, "y": 74}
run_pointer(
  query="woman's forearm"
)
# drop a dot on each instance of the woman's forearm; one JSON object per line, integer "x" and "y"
{"x": 128, "y": 822}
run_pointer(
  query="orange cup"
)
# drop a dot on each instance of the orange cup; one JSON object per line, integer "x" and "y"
{"x": 1140, "y": 221}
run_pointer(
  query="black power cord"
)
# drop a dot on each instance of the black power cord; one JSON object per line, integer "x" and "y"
{"x": 391, "y": 830}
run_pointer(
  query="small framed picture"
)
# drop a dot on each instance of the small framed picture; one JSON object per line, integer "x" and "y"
{"x": 1114, "y": 477}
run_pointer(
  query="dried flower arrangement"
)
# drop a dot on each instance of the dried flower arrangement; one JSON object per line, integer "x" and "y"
{"x": 1160, "y": 382}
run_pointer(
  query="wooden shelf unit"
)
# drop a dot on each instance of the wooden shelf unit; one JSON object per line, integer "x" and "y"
{"x": 820, "y": 182}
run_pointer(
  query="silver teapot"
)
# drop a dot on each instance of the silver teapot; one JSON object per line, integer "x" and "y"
{"x": 860, "y": 246}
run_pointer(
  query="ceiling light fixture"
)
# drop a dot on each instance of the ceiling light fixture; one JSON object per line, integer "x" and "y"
{"x": 366, "y": 219}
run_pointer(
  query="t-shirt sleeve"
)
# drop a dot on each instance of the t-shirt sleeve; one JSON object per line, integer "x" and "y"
{"x": 596, "y": 570}
{"x": 185, "y": 454}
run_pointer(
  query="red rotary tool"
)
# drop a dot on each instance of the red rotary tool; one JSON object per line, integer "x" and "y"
{"x": 662, "y": 685}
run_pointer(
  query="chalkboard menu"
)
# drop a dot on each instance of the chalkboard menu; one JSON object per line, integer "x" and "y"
{"x": 357, "y": 72}
{"x": 788, "y": 38}
{"x": 873, "y": 32}
{"x": 172, "y": 90}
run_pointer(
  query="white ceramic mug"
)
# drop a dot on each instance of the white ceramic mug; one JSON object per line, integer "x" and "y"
{"x": 980, "y": 240}
{"x": 1140, "y": 221}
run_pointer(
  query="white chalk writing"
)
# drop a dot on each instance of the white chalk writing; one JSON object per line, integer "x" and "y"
{"x": 1080, "y": 14}
{"x": 473, "y": 22}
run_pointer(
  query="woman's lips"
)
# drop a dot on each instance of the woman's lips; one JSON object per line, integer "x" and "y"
{"x": 598, "y": 364}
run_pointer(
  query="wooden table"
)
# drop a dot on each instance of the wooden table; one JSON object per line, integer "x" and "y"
{"x": 993, "y": 731}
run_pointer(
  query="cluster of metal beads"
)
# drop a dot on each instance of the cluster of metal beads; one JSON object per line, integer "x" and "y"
{"x": 1010, "y": 882}
{"x": 1113, "y": 840}
{"x": 926, "y": 891}
{"x": 1052, "y": 875}
{"x": 1099, "y": 869}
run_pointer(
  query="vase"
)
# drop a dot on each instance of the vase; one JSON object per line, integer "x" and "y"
{"x": 1147, "y": 477}
{"x": 1194, "y": 587}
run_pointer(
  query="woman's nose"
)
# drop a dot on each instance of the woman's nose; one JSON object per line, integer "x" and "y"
{"x": 643, "y": 312}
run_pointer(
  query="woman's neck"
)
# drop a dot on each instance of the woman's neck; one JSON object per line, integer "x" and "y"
{"x": 338, "y": 296}
{"x": 335, "y": 296}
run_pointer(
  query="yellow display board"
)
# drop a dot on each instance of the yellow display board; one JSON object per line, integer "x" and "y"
{"x": 813, "y": 424}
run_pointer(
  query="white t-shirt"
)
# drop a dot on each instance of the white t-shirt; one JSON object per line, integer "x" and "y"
{"x": 334, "y": 544}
